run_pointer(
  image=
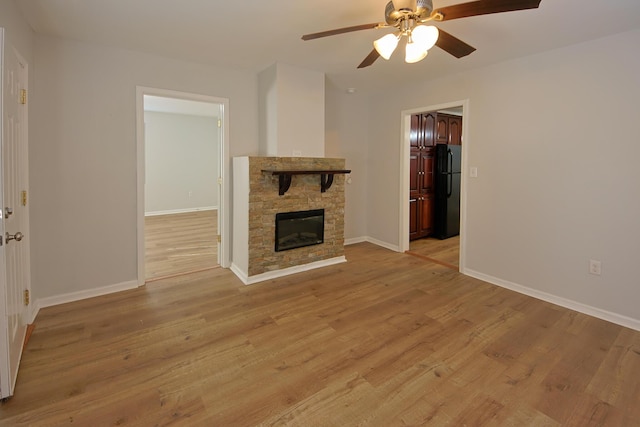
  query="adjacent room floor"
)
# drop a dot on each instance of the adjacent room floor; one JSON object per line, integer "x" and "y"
{"x": 180, "y": 243}
{"x": 445, "y": 252}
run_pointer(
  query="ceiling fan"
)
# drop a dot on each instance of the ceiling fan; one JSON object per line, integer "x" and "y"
{"x": 408, "y": 17}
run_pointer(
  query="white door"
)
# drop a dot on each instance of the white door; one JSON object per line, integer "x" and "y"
{"x": 14, "y": 225}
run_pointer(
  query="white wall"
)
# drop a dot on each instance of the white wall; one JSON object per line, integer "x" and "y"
{"x": 300, "y": 112}
{"x": 553, "y": 137}
{"x": 17, "y": 31}
{"x": 241, "y": 208}
{"x": 291, "y": 102}
{"x": 181, "y": 156}
{"x": 347, "y": 136}
{"x": 83, "y": 155}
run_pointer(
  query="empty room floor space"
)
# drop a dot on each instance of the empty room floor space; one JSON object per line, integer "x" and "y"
{"x": 383, "y": 339}
{"x": 180, "y": 243}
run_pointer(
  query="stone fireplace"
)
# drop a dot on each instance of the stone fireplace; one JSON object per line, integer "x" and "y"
{"x": 257, "y": 201}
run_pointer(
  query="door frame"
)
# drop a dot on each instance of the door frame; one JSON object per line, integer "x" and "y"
{"x": 405, "y": 150}
{"x": 224, "y": 195}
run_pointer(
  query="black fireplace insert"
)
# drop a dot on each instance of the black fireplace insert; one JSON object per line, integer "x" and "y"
{"x": 298, "y": 229}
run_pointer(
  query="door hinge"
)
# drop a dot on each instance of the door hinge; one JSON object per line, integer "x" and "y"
{"x": 219, "y": 180}
{"x": 23, "y": 197}
{"x": 219, "y": 123}
{"x": 23, "y": 96}
{"x": 219, "y": 238}
{"x": 26, "y": 297}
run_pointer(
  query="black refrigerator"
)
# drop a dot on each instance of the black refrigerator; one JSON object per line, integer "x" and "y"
{"x": 447, "y": 190}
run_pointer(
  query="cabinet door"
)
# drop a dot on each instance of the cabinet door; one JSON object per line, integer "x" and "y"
{"x": 414, "y": 135}
{"x": 442, "y": 129}
{"x": 455, "y": 130}
{"x": 427, "y": 128}
{"x": 415, "y": 175}
{"x": 426, "y": 215}
{"x": 413, "y": 218}
{"x": 426, "y": 170}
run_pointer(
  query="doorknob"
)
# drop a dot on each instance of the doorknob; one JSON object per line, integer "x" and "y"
{"x": 17, "y": 237}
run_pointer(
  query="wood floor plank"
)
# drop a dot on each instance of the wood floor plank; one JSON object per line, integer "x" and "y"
{"x": 385, "y": 339}
{"x": 180, "y": 243}
{"x": 446, "y": 252}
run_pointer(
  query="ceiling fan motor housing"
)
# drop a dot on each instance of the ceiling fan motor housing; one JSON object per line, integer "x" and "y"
{"x": 393, "y": 15}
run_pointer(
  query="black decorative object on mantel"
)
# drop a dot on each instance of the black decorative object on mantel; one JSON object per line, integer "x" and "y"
{"x": 284, "y": 176}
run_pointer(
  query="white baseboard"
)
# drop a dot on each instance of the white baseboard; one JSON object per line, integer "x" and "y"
{"x": 250, "y": 280}
{"x": 562, "y": 302}
{"x": 33, "y": 312}
{"x": 354, "y": 240}
{"x": 377, "y": 242}
{"x": 240, "y": 273}
{"x": 178, "y": 211}
{"x": 89, "y": 293}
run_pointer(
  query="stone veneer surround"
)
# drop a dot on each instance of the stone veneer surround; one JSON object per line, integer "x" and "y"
{"x": 304, "y": 194}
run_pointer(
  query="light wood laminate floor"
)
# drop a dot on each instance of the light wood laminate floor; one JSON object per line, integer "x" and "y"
{"x": 445, "y": 252}
{"x": 386, "y": 339}
{"x": 180, "y": 243}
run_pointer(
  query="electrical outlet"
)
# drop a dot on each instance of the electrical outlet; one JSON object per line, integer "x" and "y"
{"x": 595, "y": 267}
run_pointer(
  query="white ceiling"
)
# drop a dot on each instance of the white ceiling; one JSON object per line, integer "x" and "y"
{"x": 254, "y": 34}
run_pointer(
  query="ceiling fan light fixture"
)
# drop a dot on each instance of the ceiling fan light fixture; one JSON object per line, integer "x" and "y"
{"x": 386, "y": 45}
{"x": 415, "y": 52}
{"x": 425, "y": 35}
{"x": 405, "y": 4}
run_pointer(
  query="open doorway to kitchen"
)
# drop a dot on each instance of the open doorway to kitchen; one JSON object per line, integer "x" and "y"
{"x": 181, "y": 155}
{"x": 433, "y": 205}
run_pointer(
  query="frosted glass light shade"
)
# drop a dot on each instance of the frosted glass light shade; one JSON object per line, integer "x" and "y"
{"x": 415, "y": 53}
{"x": 386, "y": 45}
{"x": 425, "y": 35}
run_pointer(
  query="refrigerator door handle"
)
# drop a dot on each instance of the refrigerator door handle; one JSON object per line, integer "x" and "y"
{"x": 450, "y": 174}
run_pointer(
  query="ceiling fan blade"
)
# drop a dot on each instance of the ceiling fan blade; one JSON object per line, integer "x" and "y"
{"x": 485, "y": 7}
{"x": 453, "y": 45}
{"x": 342, "y": 31}
{"x": 370, "y": 59}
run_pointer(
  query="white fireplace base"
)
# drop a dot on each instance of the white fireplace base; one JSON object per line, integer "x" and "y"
{"x": 242, "y": 275}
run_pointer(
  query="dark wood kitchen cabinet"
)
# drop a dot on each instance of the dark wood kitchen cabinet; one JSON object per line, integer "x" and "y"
{"x": 427, "y": 130}
{"x": 420, "y": 216}
{"x": 421, "y": 174}
{"x": 421, "y": 171}
{"x": 448, "y": 129}
{"x": 422, "y": 128}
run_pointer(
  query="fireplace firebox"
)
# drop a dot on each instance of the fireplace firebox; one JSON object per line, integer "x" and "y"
{"x": 298, "y": 229}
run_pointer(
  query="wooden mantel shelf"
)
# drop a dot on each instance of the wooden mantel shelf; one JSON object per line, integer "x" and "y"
{"x": 326, "y": 177}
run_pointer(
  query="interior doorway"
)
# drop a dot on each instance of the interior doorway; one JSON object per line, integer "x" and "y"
{"x": 182, "y": 154}
{"x": 446, "y": 250}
